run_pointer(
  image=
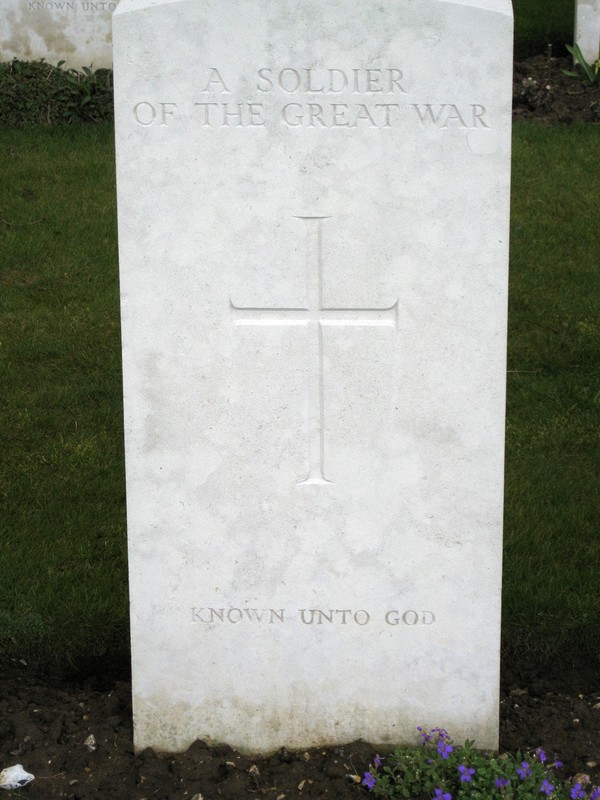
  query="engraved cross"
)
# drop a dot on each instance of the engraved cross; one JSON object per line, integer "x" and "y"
{"x": 315, "y": 317}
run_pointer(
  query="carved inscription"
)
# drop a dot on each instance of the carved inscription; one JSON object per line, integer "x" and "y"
{"x": 233, "y": 615}
{"x": 310, "y": 97}
{"x": 70, "y": 5}
{"x": 442, "y": 116}
{"x": 331, "y": 81}
{"x": 237, "y": 615}
{"x": 313, "y": 318}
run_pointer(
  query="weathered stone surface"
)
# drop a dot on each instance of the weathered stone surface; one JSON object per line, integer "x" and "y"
{"x": 77, "y": 32}
{"x": 313, "y": 220}
{"x": 587, "y": 28}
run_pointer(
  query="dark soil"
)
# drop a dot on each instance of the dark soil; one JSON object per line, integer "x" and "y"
{"x": 45, "y": 725}
{"x": 542, "y": 91}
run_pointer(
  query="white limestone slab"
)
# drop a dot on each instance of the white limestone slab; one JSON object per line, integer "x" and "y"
{"x": 77, "y": 32}
{"x": 313, "y": 222}
{"x": 587, "y": 28}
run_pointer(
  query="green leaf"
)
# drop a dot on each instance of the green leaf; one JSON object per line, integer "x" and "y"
{"x": 575, "y": 51}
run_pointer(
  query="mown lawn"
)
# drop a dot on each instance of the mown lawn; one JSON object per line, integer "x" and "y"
{"x": 542, "y": 22}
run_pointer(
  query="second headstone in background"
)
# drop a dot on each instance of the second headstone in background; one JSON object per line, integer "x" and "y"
{"x": 587, "y": 28}
{"x": 77, "y": 32}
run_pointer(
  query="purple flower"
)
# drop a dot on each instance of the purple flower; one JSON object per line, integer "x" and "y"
{"x": 444, "y": 749}
{"x": 440, "y": 794}
{"x": 595, "y": 795}
{"x": 557, "y": 764}
{"x": 466, "y": 773}
{"x": 442, "y": 734}
{"x": 377, "y": 761}
{"x": 425, "y": 737}
{"x": 502, "y": 783}
{"x": 546, "y": 787}
{"x": 541, "y": 754}
{"x": 524, "y": 770}
{"x": 369, "y": 780}
{"x": 577, "y": 792}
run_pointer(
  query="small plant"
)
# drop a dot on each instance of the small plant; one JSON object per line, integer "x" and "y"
{"x": 591, "y": 72}
{"x": 441, "y": 770}
{"x": 36, "y": 93}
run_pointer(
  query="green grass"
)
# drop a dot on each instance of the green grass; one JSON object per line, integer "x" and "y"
{"x": 542, "y": 22}
{"x": 62, "y": 527}
{"x": 552, "y": 553}
{"x": 63, "y": 582}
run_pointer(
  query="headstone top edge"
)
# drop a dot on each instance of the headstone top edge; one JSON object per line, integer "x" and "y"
{"x": 499, "y": 6}
{"x": 504, "y": 7}
{"x": 126, "y": 6}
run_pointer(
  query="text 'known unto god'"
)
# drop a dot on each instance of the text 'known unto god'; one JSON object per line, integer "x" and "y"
{"x": 309, "y": 616}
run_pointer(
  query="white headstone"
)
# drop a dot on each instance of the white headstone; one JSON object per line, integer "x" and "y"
{"x": 77, "y": 32}
{"x": 313, "y": 219}
{"x": 587, "y": 28}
